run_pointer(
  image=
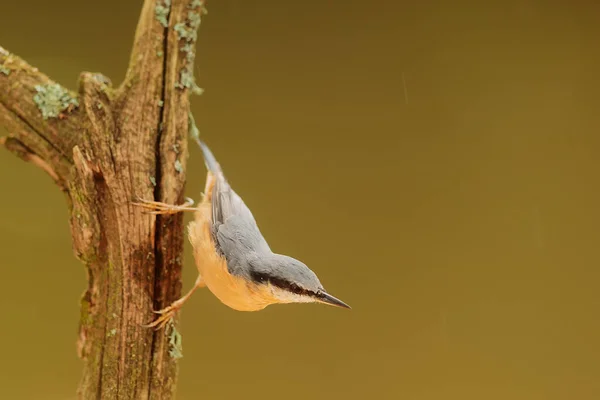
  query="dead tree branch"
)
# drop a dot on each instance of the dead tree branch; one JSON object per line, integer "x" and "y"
{"x": 105, "y": 147}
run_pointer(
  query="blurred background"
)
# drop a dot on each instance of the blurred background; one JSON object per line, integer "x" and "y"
{"x": 436, "y": 163}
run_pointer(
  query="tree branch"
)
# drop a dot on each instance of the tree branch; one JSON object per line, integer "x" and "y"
{"x": 40, "y": 113}
{"x": 106, "y": 147}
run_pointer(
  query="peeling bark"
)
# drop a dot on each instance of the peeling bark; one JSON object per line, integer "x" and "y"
{"x": 105, "y": 147}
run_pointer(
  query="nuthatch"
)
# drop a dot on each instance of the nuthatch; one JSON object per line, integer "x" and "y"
{"x": 233, "y": 258}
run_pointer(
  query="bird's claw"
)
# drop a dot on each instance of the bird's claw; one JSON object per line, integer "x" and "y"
{"x": 164, "y": 310}
{"x": 159, "y": 208}
{"x": 165, "y": 315}
{"x": 160, "y": 322}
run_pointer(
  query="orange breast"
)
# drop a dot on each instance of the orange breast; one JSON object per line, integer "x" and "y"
{"x": 235, "y": 292}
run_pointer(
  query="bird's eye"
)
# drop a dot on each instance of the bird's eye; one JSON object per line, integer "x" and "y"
{"x": 258, "y": 277}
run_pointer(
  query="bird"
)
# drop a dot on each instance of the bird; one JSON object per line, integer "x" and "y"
{"x": 233, "y": 259}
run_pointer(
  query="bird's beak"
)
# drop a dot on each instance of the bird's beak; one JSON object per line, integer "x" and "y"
{"x": 326, "y": 298}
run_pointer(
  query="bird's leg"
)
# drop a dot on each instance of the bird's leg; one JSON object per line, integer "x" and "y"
{"x": 167, "y": 313}
{"x": 156, "y": 207}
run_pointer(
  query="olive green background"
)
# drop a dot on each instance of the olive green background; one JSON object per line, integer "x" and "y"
{"x": 436, "y": 163}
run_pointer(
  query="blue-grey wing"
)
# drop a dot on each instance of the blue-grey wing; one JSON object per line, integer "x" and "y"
{"x": 235, "y": 230}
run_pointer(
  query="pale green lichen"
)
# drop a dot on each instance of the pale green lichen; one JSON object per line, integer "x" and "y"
{"x": 185, "y": 32}
{"x": 192, "y": 128}
{"x": 5, "y": 70}
{"x": 161, "y": 103}
{"x": 161, "y": 12}
{"x": 102, "y": 79}
{"x": 52, "y": 99}
{"x": 195, "y": 20}
{"x": 153, "y": 181}
{"x": 188, "y": 31}
{"x": 188, "y": 49}
{"x": 112, "y": 332}
{"x": 175, "y": 341}
{"x": 159, "y": 53}
{"x": 186, "y": 79}
{"x": 178, "y": 166}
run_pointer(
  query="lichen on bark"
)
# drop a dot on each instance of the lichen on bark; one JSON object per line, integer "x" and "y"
{"x": 52, "y": 99}
{"x": 187, "y": 31}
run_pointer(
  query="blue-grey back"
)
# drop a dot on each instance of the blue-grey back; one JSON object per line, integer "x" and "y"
{"x": 235, "y": 231}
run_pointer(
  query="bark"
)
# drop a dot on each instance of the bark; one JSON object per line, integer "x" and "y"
{"x": 106, "y": 147}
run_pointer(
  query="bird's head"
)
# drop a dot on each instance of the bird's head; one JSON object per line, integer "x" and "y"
{"x": 289, "y": 281}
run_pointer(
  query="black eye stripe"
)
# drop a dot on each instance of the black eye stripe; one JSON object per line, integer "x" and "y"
{"x": 280, "y": 283}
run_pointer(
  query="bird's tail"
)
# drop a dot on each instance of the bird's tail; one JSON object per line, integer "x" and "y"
{"x": 209, "y": 159}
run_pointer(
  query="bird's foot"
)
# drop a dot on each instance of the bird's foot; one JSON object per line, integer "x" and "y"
{"x": 158, "y": 208}
{"x": 165, "y": 315}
